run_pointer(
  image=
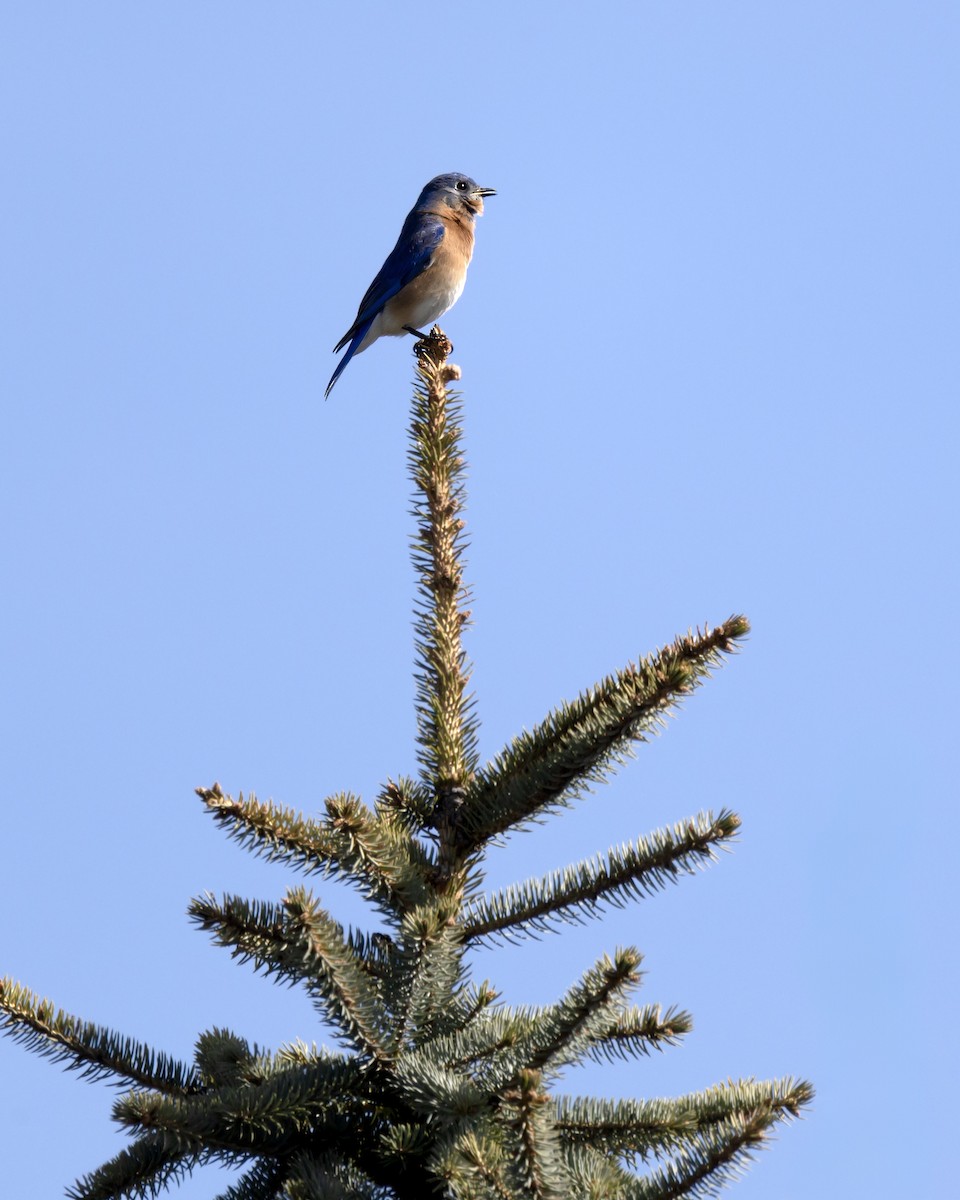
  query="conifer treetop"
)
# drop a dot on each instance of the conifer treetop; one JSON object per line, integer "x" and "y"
{"x": 434, "y": 1087}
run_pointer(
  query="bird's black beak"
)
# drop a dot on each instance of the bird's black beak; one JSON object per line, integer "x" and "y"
{"x": 486, "y": 192}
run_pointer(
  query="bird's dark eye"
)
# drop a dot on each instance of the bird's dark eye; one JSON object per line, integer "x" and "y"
{"x": 461, "y": 185}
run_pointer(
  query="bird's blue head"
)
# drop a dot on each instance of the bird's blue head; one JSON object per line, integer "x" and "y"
{"x": 455, "y": 190}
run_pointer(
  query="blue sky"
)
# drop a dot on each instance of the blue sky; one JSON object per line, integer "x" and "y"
{"x": 709, "y": 354}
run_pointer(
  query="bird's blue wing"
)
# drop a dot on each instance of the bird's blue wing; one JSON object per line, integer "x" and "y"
{"x": 419, "y": 238}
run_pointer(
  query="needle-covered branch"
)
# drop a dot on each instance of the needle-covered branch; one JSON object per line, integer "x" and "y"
{"x": 327, "y": 1100}
{"x": 713, "y": 1157}
{"x": 581, "y": 743}
{"x": 538, "y": 1163}
{"x": 264, "y": 1181}
{"x": 91, "y": 1049}
{"x": 478, "y": 1042}
{"x": 633, "y": 1130}
{"x": 143, "y": 1169}
{"x": 447, "y": 729}
{"x": 427, "y": 972}
{"x": 595, "y": 1176}
{"x": 625, "y": 1129}
{"x": 347, "y": 996}
{"x": 223, "y": 1058}
{"x": 626, "y": 873}
{"x": 429, "y": 1089}
{"x": 564, "y": 1032}
{"x": 783, "y": 1097}
{"x": 299, "y": 942}
{"x": 371, "y": 850}
{"x": 473, "y": 1168}
{"x": 318, "y": 1175}
{"x": 636, "y": 1032}
{"x": 254, "y": 931}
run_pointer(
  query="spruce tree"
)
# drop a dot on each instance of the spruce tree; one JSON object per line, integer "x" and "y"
{"x": 437, "y": 1088}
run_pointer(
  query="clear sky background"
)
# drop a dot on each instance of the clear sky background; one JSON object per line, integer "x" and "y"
{"x": 709, "y": 354}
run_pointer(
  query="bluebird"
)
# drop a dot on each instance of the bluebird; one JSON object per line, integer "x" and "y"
{"x": 424, "y": 273}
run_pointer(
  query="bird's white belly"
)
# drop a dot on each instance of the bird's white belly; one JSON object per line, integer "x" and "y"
{"x": 433, "y": 304}
{"x": 421, "y": 302}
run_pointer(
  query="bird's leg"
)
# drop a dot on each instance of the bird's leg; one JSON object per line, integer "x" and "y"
{"x": 435, "y": 335}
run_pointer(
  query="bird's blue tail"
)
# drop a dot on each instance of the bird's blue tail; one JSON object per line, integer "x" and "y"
{"x": 358, "y": 337}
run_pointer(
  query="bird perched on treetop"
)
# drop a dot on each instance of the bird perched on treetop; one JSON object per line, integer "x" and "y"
{"x": 424, "y": 273}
